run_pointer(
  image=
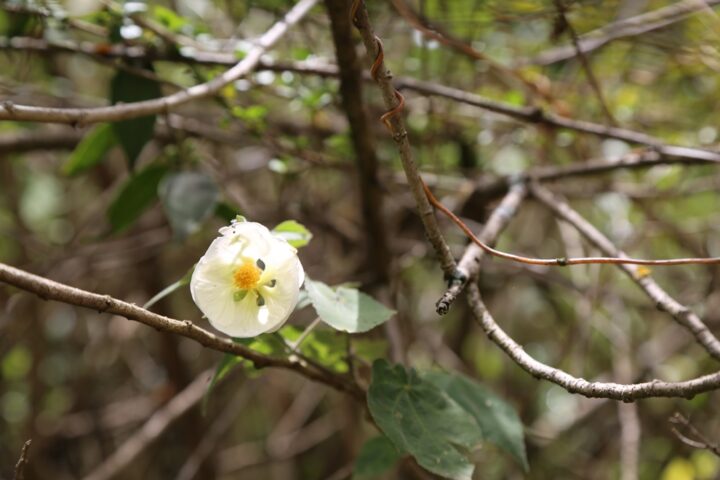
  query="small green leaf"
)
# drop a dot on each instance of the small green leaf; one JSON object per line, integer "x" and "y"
{"x": 420, "y": 419}
{"x": 294, "y": 233}
{"x": 91, "y": 150}
{"x": 346, "y": 309}
{"x": 185, "y": 280}
{"x": 377, "y": 456}
{"x": 134, "y": 133}
{"x": 135, "y": 196}
{"x": 188, "y": 198}
{"x": 498, "y": 420}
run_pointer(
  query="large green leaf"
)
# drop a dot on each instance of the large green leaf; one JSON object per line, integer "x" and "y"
{"x": 498, "y": 420}
{"x": 296, "y": 234}
{"x": 91, "y": 150}
{"x": 188, "y": 198}
{"x": 422, "y": 420}
{"x": 135, "y": 196}
{"x": 134, "y": 133}
{"x": 377, "y": 456}
{"x": 346, "y": 309}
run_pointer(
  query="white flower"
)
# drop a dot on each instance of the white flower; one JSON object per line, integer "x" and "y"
{"x": 248, "y": 281}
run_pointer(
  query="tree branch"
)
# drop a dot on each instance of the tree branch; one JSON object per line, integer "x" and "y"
{"x": 51, "y": 290}
{"x": 615, "y": 391}
{"x": 79, "y": 116}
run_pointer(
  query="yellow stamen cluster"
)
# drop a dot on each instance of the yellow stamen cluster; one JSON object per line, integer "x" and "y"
{"x": 246, "y": 276}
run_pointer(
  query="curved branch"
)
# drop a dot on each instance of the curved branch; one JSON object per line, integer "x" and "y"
{"x": 78, "y": 116}
{"x": 614, "y": 391}
{"x": 51, "y": 290}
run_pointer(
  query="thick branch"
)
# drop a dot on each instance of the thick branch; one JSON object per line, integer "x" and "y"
{"x": 11, "y": 111}
{"x": 51, "y": 290}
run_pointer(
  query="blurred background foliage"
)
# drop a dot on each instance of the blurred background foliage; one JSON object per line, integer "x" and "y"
{"x": 131, "y": 208}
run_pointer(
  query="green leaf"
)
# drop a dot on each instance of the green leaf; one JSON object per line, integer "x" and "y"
{"x": 91, "y": 150}
{"x": 134, "y": 133}
{"x": 135, "y": 196}
{"x": 188, "y": 198}
{"x": 498, "y": 420}
{"x": 185, "y": 280}
{"x": 377, "y": 456}
{"x": 293, "y": 232}
{"x": 327, "y": 347}
{"x": 346, "y": 309}
{"x": 422, "y": 420}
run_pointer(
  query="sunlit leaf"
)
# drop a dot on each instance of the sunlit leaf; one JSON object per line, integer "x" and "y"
{"x": 346, "y": 309}
{"x": 296, "y": 234}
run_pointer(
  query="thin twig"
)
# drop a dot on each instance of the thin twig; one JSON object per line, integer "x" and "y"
{"x": 702, "y": 441}
{"x": 51, "y": 290}
{"x": 584, "y": 62}
{"x": 562, "y": 261}
{"x": 78, "y": 116}
{"x": 22, "y": 461}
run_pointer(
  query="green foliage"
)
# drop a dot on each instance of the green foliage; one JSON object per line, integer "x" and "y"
{"x": 497, "y": 420}
{"x": 323, "y": 346}
{"x": 346, "y": 309}
{"x": 422, "y": 420}
{"x": 296, "y": 234}
{"x": 188, "y": 198}
{"x": 91, "y": 150}
{"x": 134, "y": 133}
{"x": 377, "y": 456}
{"x": 135, "y": 196}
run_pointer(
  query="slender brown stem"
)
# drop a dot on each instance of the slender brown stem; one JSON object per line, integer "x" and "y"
{"x": 51, "y": 290}
{"x": 561, "y": 261}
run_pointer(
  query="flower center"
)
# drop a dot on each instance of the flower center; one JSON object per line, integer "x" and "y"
{"x": 246, "y": 276}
